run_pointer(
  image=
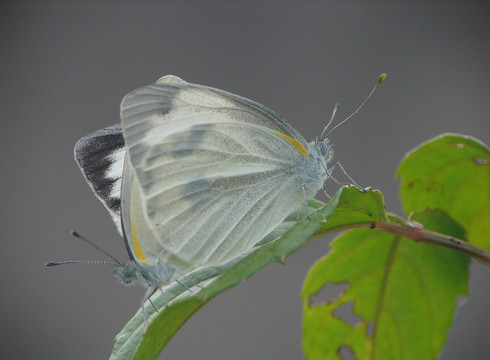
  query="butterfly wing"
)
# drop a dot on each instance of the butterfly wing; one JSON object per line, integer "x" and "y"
{"x": 100, "y": 155}
{"x": 214, "y": 172}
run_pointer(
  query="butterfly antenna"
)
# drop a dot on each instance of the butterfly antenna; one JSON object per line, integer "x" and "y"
{"x": 380, "y": 80}
{"x": 77, "y": 235}
{"x": 331, "y": 119}
{"x": 97, "y": 262}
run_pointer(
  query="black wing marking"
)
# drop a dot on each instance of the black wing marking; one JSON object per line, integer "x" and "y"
{"x": 100, "y": 155}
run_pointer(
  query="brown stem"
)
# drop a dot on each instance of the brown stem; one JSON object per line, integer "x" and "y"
{"x": 428, "y": 236}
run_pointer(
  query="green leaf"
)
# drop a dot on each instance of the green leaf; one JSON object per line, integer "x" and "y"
{"x": 450, "y": 172}
{"x": 175, "y": 304}
{"x": 403, "y": 292}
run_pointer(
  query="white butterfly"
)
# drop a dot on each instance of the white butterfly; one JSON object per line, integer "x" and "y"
{"x": 195, "y": 176}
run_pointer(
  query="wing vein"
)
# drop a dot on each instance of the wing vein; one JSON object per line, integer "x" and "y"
{"x": 274, "y": 190}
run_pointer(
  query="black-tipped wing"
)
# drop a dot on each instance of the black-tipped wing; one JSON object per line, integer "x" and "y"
{"x": 100, "y": 155}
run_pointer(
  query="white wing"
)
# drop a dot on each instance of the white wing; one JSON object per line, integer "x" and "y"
{"x": 100, "y": 155}
{"x": 217, "y": 172}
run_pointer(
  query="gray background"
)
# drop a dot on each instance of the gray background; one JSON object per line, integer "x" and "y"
{"x": 66, "y": 66}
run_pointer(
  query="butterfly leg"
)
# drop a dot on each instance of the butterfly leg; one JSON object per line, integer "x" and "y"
{"x": 192, "y": 283}
{"x": 149, "y": 292}
{"x": 325, "y": 192}
{"x": 332, "y": 168}
{"x": 184, "y": 285}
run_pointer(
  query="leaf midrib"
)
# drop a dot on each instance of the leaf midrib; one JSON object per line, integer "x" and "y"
{"x": 384, "y": 284}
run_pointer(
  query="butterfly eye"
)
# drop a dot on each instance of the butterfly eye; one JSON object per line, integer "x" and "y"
{"x": 126, "y": 273}
{"x": 324, "y": 148}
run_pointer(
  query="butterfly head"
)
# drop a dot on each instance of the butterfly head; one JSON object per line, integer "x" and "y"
{"x": 157, "y": 275}
{"x": 127, "y": 273}
{"x": 324, "y": 151}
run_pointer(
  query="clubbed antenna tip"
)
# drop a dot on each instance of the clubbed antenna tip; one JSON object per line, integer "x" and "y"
{"x": 323, "y": 136}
